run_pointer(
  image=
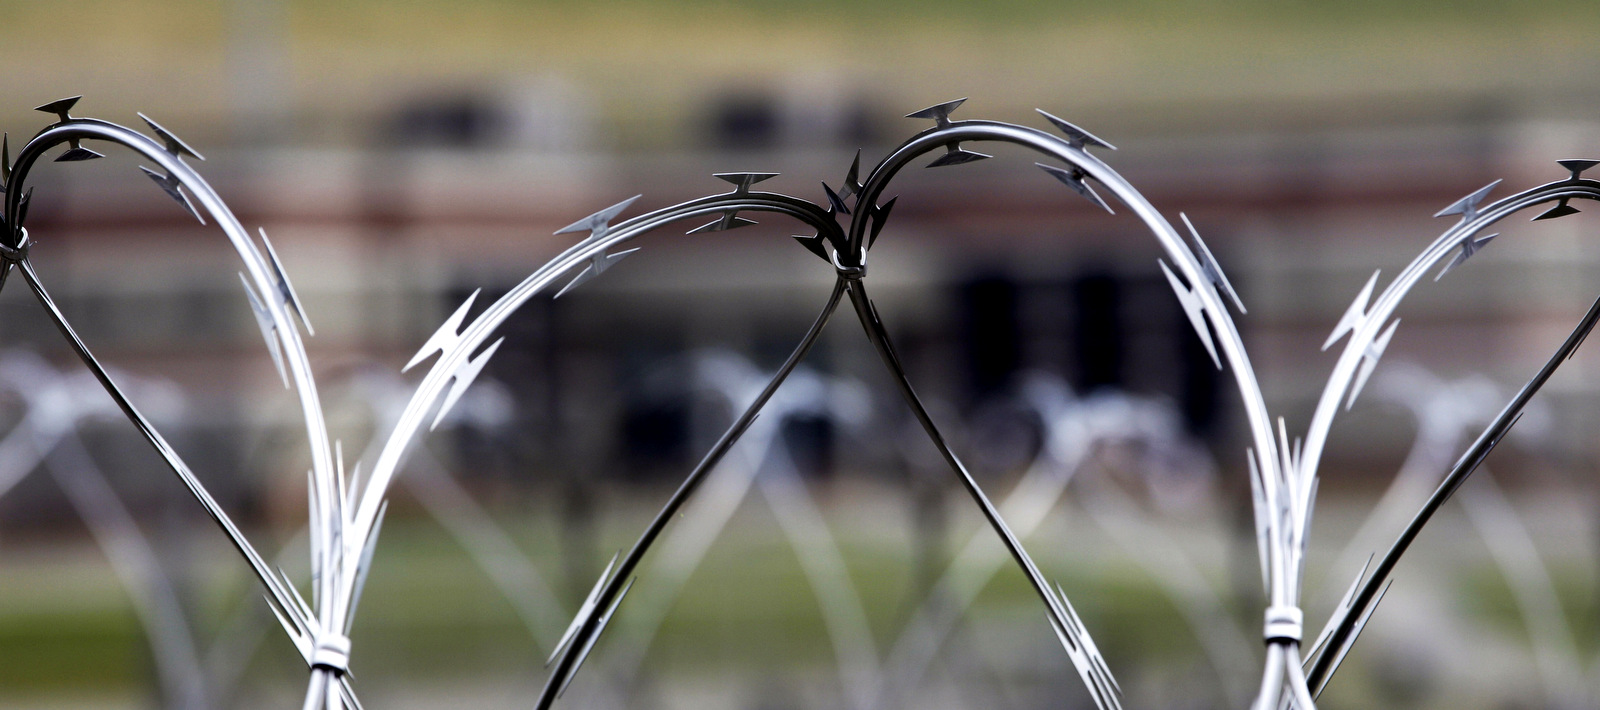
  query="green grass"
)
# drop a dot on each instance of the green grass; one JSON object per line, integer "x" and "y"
{"x": 429, "y": 612}
{"x": 431, "y": 617}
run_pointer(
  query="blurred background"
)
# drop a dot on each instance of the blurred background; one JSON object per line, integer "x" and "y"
{"x": 403, "y": 154}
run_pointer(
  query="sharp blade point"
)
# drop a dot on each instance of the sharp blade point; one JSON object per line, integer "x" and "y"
{"x": 1074, "y": 178}
{"x": 1078, "y": 137}
{"x": 852, "y": 178}
{"x": 1577, "y": 165}
{"x": 598, "y": 223}
{"x": 446, "y": 337}
{"x": 1467, "y": 206}
{"x": 174, "y": 189}
{"x": 1369, "y": 361}
{"x": 813, "y": 244}
{"x": 880, "y": 216}
{"x": 600, "y": 628}
{"x": 78, "y": 154}
{"x": 175, "y": 145}
{"x": 1212, "y": 269}
{"x": 286, "y": 291}
{"x": 835, "y": 202}
{"x": 938, "y": 112}
{"x": 1355, "y": 633}
{"x": 584, "y": 610}
{"x": 743, "y": 181}
{"x": 1194, "y": 308}
{"x": 1355, "y": 315}
{"x": 60, "y": 107}
{"x": 956, "y": 156}
{"x": 598, "y": 264}
{"x": 1562, "y": 209}
{"x": 722, "y": 224}
{"x": 462, "y": 378}
{"x": 268, "y": 330}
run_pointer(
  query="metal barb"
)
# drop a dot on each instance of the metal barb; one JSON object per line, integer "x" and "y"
{"x": 171, "y": 185}
{"x": 730, "y": 219}
{"x": 598, "y": 223}
{"x": 585, "y": 610}
{"x": 22, "y": 208}
{"x": 600, "y": 627}
{"x": 293, "y": 625}
{"x": 602, "y": 261}
{"x": 1369, "y": 360}
{"x": 835, "y": 201}
{"x": 1083, "y": 653}
{"x": 1351, "y": 641}
{"x": 1074, "y": 178}
{"x": 447, "y": 336}
{"x": 1470, "y": 246}
{"x": 60, "y": 107}
{"x": 1194, "y": 308}
{"x": 175, "y": 146}
{"x": 815, "y": 244}
{"x": 1343, "y": 609}
{"x": 462, "y": 378}
{"x": 939, "y": 113}
{"x": 1355, "y": 315}
{"x": 269, "y": 331}
{"x": 956, "y": 155}
{"x": 852, "y": 179}
{"x": 286, "y": 294}
{"x": 1467, "y": 206}
{"x": 880, "y": 216}
{"x": 743, "y": 181}
{"x": 1210, "y": 267}
{"x": 1077, "y": 137}
{"x": 1576, "y": 166}
{"x": 1561, "y": 209}
{"x": 1289, "y": 459}
{"x": 77, "y": 153}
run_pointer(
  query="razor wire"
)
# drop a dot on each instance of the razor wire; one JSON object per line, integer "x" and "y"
{"x": 346, "y": 509}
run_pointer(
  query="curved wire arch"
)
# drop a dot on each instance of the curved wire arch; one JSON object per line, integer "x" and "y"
{"x": 308, "y": 626}
{"x": 849, "y": 261}
{"x": 1345, "y": 624}
{"x": 1202, "y": 279}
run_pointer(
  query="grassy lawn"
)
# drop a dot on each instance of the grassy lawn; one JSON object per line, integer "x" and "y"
{"x": 431, "y": 618}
